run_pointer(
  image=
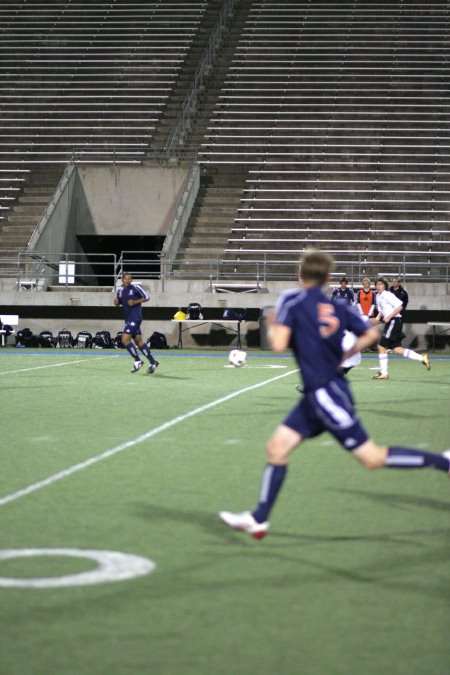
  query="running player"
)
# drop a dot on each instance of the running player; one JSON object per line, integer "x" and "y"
{"x": 313, "y": 325}
{"x": 131, "y": 296}
{"x": 390, "y": 313}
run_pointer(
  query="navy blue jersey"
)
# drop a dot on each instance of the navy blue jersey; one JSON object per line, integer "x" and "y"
{"x": 318, "y": 326}
{"x": 131, "y": 314}
{"x": 344, "y": 294}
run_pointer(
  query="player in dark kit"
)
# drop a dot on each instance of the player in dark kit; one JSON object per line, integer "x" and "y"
{"x": 313, "y": 325}
{"x": 131, "y": 296}
{"x": 342, "y": 292}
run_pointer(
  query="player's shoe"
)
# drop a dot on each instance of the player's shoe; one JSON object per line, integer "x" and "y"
{"x": 446, "y": 454}
{"x": 137, "y": 366}
{"x": 380, "y": 376}
{"x": 426, "y": 361}
{"x": 245, "y": 522}
{"x": 152, "y": 367}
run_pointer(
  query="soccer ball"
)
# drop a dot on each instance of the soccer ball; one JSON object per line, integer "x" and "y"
{"x": 237, "y": 358}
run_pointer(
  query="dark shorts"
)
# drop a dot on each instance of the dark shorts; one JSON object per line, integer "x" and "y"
{"x": 328, "y": 409}
{"x": 393, "y": 334}
{"x": 133, "y": 328}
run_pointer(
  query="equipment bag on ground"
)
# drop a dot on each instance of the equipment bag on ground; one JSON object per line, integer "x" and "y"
{"x": 46, "y": 339}
{"x": 64, "y": 339}
{"x": 25, "y": 338}
{"x": 157, "y": 341}
{"x": 103, "y": 340}
{"x": 83, "y": 340}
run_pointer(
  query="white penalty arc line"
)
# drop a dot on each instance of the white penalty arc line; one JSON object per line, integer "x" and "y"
{"x": 56, "y": 365}
{"x": 34, "y": 487}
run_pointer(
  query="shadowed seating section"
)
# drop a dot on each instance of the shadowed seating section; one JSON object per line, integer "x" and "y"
{"x": 85, "y": 80}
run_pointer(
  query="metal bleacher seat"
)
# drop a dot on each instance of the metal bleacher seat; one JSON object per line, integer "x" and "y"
{"x": 343, "y": 129}
{"x": 89, "y": 80}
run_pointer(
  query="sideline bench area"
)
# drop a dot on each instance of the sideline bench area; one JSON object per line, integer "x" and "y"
{"x": 228, "y": 324}
{"x": 7, "y": 320}
{"x": 438, "y": 324}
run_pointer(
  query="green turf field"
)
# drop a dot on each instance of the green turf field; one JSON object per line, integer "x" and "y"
{"x": 352, "y": 579}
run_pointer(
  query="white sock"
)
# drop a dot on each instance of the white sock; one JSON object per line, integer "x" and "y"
{"x": 410, "y": 354}
{"x": 383, "y": 360}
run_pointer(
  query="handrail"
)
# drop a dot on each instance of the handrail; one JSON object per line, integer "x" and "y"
{"x": 37, "y": 270}
{"x": 190, "y": 102}
{"x": 59, "y": 191}
{"x": 178, "y": 226}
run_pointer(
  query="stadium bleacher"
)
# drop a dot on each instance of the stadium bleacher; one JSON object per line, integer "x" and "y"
{"x": 340, "y": 115}
{"x": 83, "y": 81}
{"x": 329, "y": 127}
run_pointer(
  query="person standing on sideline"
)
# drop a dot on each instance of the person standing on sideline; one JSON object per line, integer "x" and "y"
{"x": 365, "y": 299}
{"x": 313, "y": 325}
{"x": 399, "y": 292}
{"x": 131, "y": 296}
{"x": 390, "y": 313}
{"x": 343, "y": 292}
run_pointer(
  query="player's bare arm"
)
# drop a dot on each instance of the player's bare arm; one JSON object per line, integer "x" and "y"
{"x": 279, "y": 337}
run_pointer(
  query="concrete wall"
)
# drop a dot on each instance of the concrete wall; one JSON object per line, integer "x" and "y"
{"x": 181, "y": 293}
{"x": 127, "y": 200}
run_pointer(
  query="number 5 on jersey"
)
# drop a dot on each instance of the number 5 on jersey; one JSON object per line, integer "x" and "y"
{"x": 329, "y": 323}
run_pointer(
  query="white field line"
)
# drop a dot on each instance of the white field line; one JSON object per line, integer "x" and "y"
{"x": 56, "y": 365}
{"x": 34, "y": 487}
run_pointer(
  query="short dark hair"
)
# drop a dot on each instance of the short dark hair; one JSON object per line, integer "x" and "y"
{"x": 343, "y": 279}
{"x": 383, "y": 281}
{"x": 315, "y": 266}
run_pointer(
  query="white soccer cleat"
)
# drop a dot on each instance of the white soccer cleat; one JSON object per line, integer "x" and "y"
{"x": 137, "y": 366}
{"x": 245, "y": 522}
{"x": 446, "y": 454}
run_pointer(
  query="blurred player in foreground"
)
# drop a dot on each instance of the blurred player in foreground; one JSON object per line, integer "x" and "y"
{"x": 131, "y": 296}
{"x": 313, "y": 325}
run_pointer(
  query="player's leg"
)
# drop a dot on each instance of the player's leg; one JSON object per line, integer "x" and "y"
{"x": 383, "y": 363}
{"x": 131, "y": 349}
{"x": 281, "y": 444}
{"x": 300, "y": 423}
{"x": 373, "y": 456}
{"x": 279, "y": 447}
{"x": 413, "y": 356}
{"x": 145, "y": 349}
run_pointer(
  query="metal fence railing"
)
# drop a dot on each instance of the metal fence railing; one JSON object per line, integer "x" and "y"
{"x": 39, "y": 271}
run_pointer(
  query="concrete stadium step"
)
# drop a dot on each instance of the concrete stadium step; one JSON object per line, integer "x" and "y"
{"x": 17, "y": 230}
{"x": 31, "y": 210}
{"x": 200, "y": 253}
{"x": 208, "y": 240}
{"x": 214, "y": 218}
{"x": 222, "y": 228}
{"x": 24, "y": 219}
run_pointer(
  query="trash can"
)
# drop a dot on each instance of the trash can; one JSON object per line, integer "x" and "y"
{"x": 263, "y": 341}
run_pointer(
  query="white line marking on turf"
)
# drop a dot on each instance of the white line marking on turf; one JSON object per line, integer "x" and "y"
{"x": 57, "y": 365}
{"x": 247, "y": 367}
{"x": 34, "y": 487}
{"x": 111, "y": 566}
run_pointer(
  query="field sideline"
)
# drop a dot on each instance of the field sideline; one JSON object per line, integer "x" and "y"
{"x": 352, "y": 578}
